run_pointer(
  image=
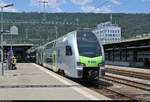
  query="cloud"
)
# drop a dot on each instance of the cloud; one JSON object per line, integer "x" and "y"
{"x": 90, "y": 9}
{"x": 115, "y": 2}
{"x": 104, "y": 9}
{"x": 86, "y": 7}
{"x": 8, "y": 9}
{"x": 53, "y": 5}
{"x": 81, "y": 2}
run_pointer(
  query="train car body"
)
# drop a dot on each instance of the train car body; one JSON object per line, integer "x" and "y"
{"x": 77, "y": 54}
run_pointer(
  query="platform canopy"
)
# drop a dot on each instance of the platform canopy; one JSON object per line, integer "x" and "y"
{"x": 131, "y": 43}
{"x": 18, "y": 47}
{"x": 19, "y": 51}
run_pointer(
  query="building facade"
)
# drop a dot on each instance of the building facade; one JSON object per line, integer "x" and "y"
{"x": 108, "y": 32}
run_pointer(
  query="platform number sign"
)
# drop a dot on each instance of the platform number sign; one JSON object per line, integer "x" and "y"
{"x": 14, "y": 30}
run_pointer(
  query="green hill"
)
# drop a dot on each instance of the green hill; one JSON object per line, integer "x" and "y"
{"x": 31, "y": 28}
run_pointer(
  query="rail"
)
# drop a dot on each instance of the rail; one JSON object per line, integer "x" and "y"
{"x": 139, "y": 75}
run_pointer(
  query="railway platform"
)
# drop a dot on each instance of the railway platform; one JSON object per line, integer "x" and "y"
{"x": 33, "y": 82}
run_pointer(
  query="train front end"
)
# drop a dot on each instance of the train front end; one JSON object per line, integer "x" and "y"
{"x": 91, "y": 63}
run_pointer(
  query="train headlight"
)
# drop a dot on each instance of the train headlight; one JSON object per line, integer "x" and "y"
{"x": 80, "y": 64}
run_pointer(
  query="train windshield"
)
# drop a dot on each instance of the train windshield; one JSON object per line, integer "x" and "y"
{"x": 87, "y": 44}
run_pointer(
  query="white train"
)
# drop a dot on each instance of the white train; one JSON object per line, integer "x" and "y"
{"x": 77, "y": 54}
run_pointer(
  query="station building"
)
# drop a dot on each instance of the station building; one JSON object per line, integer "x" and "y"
{"x": 130, "y": 53}
{"x": 108, "y": 32}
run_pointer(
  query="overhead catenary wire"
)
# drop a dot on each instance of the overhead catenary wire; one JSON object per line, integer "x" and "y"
{"x": 100, "y": 5}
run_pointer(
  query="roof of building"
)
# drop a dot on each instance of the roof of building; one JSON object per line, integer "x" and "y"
{"x": 130, "y": 42}
{"x": 19, "y": 45}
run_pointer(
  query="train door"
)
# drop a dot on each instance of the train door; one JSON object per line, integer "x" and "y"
{"x": 44, "y": 58}
{"x": 69, "y": 60}
{"x": 54, "y": 61}
{"x": 48, "y": 58}
{"x": 40, "y": 56}
{"x": 37, "y": 57}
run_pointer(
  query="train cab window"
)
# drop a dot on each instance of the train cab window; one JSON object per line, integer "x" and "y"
{"x": 68, "y": 51}
{"x": 88, "y": 44}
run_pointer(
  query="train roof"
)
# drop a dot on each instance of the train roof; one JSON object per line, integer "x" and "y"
{"x": 64, "y": 36}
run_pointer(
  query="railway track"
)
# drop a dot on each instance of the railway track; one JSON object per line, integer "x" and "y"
{"x": 135, "y": 84}
{"x": 103, "y": 88}
{"x": 112, "y": 93}
{"x": 132, "y": 90}
{"x": 139, "y": 75}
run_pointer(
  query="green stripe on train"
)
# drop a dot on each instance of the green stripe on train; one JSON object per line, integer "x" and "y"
{"x": 44, "y": 59}
{"x": 91, "y": 62}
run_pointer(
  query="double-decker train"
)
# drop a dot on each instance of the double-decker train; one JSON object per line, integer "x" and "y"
{"x": 78, "y": 54}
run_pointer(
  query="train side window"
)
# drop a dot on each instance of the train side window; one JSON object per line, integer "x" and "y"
{"x": 49, "y": 46}
{"x": 68, "y": 51}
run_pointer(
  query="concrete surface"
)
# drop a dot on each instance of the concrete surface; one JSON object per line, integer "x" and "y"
{"x": 33, "y": 82}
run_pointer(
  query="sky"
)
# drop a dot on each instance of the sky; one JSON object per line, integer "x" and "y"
{"x": 82, "y": 6}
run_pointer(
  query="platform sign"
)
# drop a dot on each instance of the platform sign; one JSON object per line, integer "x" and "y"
{"x": 14, "y": 30}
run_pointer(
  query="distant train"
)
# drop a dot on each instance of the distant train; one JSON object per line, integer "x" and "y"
{"x": 77, "y": 55}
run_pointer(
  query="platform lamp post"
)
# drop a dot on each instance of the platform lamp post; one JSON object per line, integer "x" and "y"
{"x": 2, "y": 7}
